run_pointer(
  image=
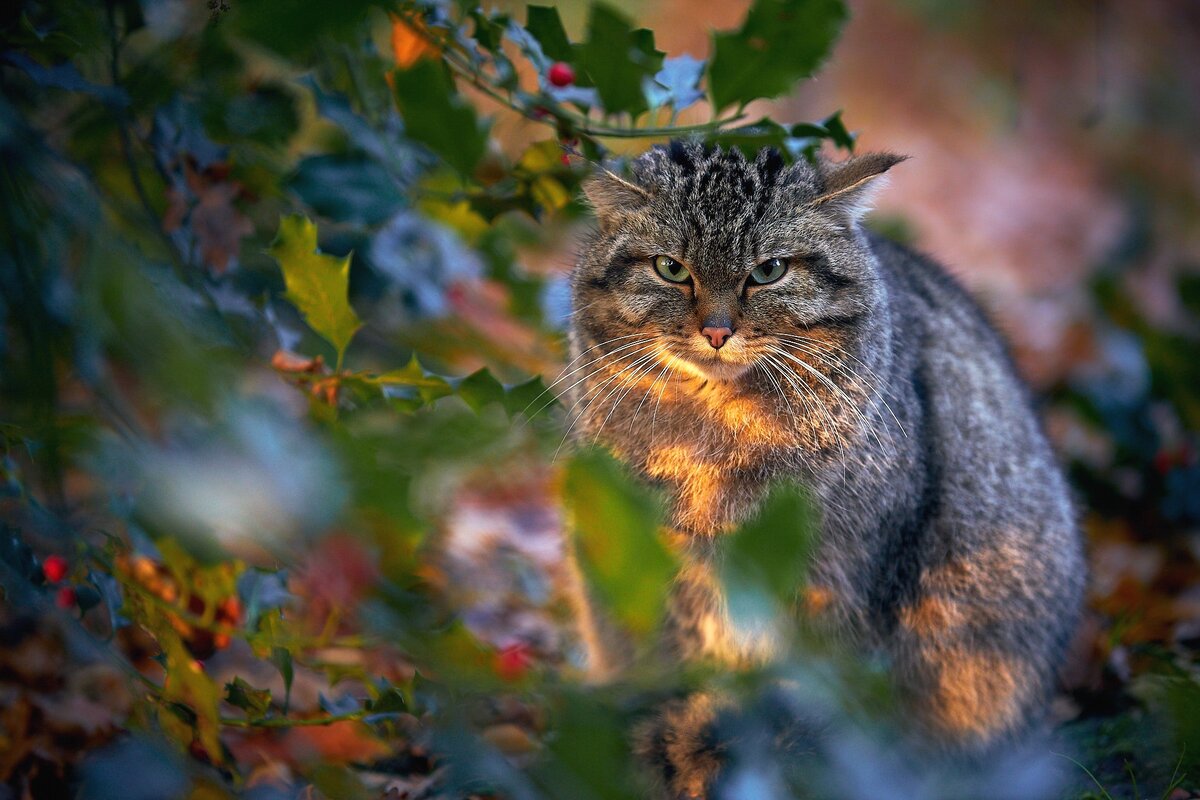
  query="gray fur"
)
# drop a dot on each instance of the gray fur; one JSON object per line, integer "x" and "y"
{"x": 948, "y": 541}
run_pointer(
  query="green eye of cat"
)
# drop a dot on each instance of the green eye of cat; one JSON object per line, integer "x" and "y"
{"x": 769, "y": 271}
{"x": 671, "y": 270}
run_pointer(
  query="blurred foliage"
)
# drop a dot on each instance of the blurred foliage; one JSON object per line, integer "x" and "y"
{"x": 269, "y": 343}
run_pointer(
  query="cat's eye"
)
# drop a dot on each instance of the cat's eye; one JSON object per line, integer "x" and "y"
{"x": 769, "y": 271}
{"x": 671, "y": 270}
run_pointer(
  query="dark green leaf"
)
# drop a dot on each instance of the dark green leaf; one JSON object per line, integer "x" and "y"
{"x": 281, "y": 657}
{"x": 437, "y": 117}
{"x": 616, "y": 60}
{"x": 752, "y": 138}
{"x": 530, "y": 398}
{"x": 390, "y": 701}
{"x": 780, "y": 42}
{"x": 489, "y": 29}
{"x": 544, "y": 23}
{"x": 480, "y": 389}
{"x": 255, "y": 702}
{"x": 346, "y": 188}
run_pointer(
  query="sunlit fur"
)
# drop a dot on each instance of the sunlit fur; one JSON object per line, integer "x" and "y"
{"x": 948, "y": 541}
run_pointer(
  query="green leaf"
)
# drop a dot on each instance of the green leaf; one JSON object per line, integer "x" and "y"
{"x": 544, "y": 23}
{"x": 489, "y": 29}
{"x": 281, "y": 657}
{"x": 437, "y": 117}
{"x": 780, "y": 42}
{"x": 390, "y": 701}
{"x": 617, "y": 540}
{"x": 771, "y": 551}
{"x": 752, "y": 138}
{"x": 255, "y": 702}
{"x": 317, "y": 284}
{"x": 346, "y": 188}
{"x": 530, "y": 398}
{"x": 616, "y": 60}
{"x": 590, "y": 750}
{"x": 480, "y": 389}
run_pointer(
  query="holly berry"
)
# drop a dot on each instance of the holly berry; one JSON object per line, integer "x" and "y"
{"x": 65, "y": 598}
{"x": 513, "y": 661}
{"x": 561, "y": 74}
{"x": 54, "y": 568}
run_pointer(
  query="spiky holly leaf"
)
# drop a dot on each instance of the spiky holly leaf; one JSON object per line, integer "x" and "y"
{"x": 437, "y": 116}
{"x": 317, "y": 284}
{"x": 780, "y": 42}
{"x": 617, "y": 60}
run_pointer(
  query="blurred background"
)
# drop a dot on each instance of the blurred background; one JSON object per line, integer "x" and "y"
{"x": 260, "y": 545}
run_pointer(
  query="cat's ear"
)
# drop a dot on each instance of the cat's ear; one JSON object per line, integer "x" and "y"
{"x": 848, "y": 187}
{"x": 612, "y": 196}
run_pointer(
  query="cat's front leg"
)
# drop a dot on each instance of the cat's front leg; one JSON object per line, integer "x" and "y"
{"x": 682, "y": 747}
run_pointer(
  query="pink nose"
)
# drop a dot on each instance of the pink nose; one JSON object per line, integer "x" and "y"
{"x": 717, "y": 336}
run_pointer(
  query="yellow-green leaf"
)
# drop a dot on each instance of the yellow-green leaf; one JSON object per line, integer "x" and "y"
{"x": 317, "y": 284}
{"x": 617, "y": 541}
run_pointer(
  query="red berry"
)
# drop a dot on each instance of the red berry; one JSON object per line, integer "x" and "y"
{"x": 65, "y": 598}
{"x": 513, "y": 661}
{"x": 54, "y": 568}
{"x": 561, "y": 74}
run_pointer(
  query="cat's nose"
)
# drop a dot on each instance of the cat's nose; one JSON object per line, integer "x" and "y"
{"x": 717, "y": 336}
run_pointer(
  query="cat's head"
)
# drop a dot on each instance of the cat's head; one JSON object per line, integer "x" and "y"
{"x": 716, "y": 257}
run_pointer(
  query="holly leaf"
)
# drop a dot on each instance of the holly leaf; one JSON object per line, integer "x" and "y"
{"x": 546, "y": 26}
{"x": 752, "y": 138}
{"x": 317, "y": 284}
{"x": 616, "y": 60}
{"x": 255, "y": 702}
{"x": 437, "y": 117}
{"x": 780, "y": 42}
{"x": 346, "y": 188}
{"x": 480, "y": 389}
{"x": 771, "y": 551}
{"x": 281, "y": 657}
{"x": 616, "y": 537}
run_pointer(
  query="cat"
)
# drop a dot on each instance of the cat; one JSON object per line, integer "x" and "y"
{"x": 737, "y": 325}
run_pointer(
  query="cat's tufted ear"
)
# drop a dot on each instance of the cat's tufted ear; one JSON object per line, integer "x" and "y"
{"x": 848, "y": 187}
{"x": 612, "y": 196}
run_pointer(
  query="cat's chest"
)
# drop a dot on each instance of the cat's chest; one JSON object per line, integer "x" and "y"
{"x": 713, "y": 455}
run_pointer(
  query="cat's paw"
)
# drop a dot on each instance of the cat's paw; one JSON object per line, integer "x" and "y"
{"x": 681, "y": 745}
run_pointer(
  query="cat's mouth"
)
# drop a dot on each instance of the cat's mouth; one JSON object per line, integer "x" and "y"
{"x": 728, "y": 363}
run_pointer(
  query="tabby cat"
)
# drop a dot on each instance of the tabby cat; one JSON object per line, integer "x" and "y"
{"x": 738, "y": 326}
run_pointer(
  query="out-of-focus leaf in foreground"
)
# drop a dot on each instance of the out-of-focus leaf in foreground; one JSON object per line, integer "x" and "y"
{"x": 767, "y": 558}
{"x": 317, "y": 284}
{"x": 617, "y": 540}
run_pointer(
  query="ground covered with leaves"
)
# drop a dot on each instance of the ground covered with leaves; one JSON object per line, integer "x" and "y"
{"x": 286, "y": 507}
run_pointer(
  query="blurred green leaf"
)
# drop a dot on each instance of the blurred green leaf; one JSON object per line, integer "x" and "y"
{"x": 317, "y": 284}
{"x": 480, "y": 389}
{"x": 437, "y": 116}
{"x": 281, "y": 657}
{"x": 590, "y": 751}
{"x": 347, "y": 188}
{"x": 255, "y": 702}
{"x": 772, "y": 550}
{"x": 616, "y": 537}
{"x": 544, "y": 23}
{"x": 780, "y": 42}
